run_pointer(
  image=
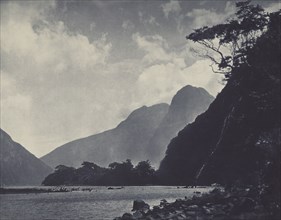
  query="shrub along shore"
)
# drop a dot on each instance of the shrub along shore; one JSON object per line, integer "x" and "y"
{"x": 33, "y": 190}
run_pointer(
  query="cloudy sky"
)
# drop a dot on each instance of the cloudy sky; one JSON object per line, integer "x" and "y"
{"x": 70, "y": 69}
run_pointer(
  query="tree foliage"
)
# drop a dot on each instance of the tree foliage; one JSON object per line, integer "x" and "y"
{"x": 226, "y": 45}
{"x": 117, "y": 173}
{"x": 144, "y": 173}
{"x": 89, "y": 165}
{"x": 63, "y": 175}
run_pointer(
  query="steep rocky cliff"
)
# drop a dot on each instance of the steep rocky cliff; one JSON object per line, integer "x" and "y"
{"x": 238, "y": 138}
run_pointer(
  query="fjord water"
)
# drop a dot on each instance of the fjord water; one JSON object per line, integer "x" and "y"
{"x": 99, "y": 203}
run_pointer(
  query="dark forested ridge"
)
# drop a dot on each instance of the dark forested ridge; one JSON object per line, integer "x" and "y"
{"x": 18, "y": 167}
{"x": 237, "y": 140}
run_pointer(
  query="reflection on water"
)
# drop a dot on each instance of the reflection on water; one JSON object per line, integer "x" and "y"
{"x": 99, "y": 203}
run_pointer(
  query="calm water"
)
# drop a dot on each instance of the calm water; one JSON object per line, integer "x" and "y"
{"x": 100, "y": 203}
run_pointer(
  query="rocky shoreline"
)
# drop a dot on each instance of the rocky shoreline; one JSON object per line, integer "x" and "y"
{"x": 251, "y": 203}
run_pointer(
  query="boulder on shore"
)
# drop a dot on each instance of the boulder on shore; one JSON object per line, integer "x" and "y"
{"x": 232, "y": 204}
{"x": 140, "y": 205}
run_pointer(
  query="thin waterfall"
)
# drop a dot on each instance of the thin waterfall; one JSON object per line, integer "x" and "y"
{"x": 224, "y": 127}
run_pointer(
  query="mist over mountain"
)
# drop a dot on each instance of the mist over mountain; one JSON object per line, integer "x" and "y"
{"x": 19, "y": 167}
{"x": 186, "y": 105}
{"x": 125, "y": 141}
{"x": 144, "y": 135}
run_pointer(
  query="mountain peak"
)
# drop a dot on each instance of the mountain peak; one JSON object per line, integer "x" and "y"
{"x": 186, "y": 105}
{"x": 132, "y": 137}
{"x": 189, "y": 94}
{"x": 127, "y": 140}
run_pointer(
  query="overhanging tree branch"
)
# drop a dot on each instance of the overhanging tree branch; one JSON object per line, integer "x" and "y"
{"x": 237, "y": 35}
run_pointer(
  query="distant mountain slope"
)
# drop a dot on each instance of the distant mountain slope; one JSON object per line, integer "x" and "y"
{"x": 186, "y": 105}
{"x": 18, "y": 166}
{"x": 238, "y": 138}
{"x": 127, "y": 140}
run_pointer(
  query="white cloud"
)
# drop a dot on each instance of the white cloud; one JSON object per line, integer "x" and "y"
{"x": 51, "y": 45}
{"x": 209, "y": 17}
{"x": 166, "y": 72}
{"x": 154, "y": 46}
{"x": 273, "y": 7}
{"x": 174, "y": 9}
{"x": 171, "y": 7}
{"x": 26, "y": 10}
{"x": 156, "y": 50}
{"x": 140, "y": 14}
{"x": 152, "y": 21}
{"x": 93, "y": 25}
{"x": 201, "y": 75}
{"x": 158, "y": 83}
{"x": 15, "y": 106}
{"x": 57, "y": 85}
{"x": 180, "y": 26}
{"x": 128, "y": 25}
{"x": 149, "y": 20}
{"x": 52, "y": 81}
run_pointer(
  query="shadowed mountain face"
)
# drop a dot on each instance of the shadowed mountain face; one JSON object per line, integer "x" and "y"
{"x": 186, "y": 105}
{"x": 125, "y": 141}
{"x": 18, "y": 166}
{"x": 238, "y": 137}
{"x": 143, "y": 135}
